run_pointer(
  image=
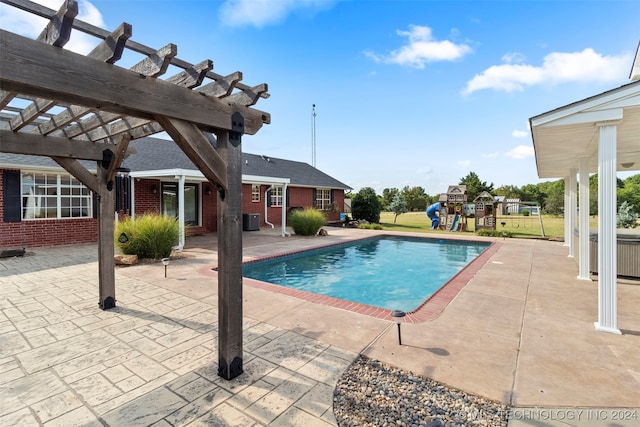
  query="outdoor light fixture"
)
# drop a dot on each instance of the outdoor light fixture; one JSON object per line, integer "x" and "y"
{"x": 398, "y": 315}
{"x": 208, "y": 189}
{"x": 627, "y": 165}
{"x": 165, "y": 262}
{"x": 154, "y": 188}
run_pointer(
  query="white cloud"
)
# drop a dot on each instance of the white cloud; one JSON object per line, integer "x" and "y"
{"x": 30, "y": 25}
{"x": 520, "y": 152}
{"x": 519, "y": 133}
{"x": 557, "y": 67}
{"x": 490, "y": 155}
{"x": 259, "y": 13}
{"x": 464, "y": 163}
{"x": 422, "y": 48}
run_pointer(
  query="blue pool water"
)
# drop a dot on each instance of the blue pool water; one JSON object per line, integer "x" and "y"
{"x": 395, "y": 273}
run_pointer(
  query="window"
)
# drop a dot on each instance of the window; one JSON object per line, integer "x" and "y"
{"x": 53, "y": 196}
{"x": 276, "y": 196}
{"x": 169, "y": 202}
{"x": 255, "y": 193}
{"x": 323, "y": 198}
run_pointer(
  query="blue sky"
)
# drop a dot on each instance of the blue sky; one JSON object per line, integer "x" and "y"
{"x": 414, "y": 93}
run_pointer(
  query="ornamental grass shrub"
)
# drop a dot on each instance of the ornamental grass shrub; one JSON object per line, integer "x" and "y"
{"x": 307, "y": 222}
{"x": 148, "y": 236}
{"x": 494, "y": 233}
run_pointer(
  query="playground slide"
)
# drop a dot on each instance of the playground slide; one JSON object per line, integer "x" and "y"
{"x": 432, "y": 214}
{"x": 456, "y": 221}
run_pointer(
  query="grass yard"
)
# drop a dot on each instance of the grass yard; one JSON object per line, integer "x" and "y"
{"x": 520, "y": 226}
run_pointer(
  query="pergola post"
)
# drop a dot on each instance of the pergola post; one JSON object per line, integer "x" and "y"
{"x": 607, "y": 241}
{"x": 230, "y": 261}
{"x": 106, "y": 248}
{"x": 583, "y": 233}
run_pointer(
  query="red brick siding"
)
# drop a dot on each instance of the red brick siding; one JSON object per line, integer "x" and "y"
{"x": 85, "y": 230}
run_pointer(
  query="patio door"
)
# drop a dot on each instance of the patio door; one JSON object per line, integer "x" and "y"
{"x": 170, "y": 201}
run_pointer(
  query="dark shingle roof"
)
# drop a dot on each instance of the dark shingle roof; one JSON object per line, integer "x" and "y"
{"x": 159, "y": 154}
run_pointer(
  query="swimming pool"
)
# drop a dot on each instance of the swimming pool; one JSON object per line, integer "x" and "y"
{"x": 389, "y": 272}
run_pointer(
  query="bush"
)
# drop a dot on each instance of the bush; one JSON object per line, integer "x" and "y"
{"x": 148, "y": 236}
{"x": 307, "y": 222}
{"x": 626, "y": 217}
{"x": 366, "y": 205}
{"x": 525, "y": 212}
{"x": 494, "y": 233}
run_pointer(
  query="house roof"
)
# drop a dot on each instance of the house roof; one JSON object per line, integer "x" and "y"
{"x": 153, "y": 154}
{"x": 562, "y": 135}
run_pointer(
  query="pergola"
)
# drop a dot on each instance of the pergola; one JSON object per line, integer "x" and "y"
{"x": 597, "y": 134}
{"x": 73, "y": 107}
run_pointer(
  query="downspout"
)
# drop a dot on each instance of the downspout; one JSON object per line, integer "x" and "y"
{"x": 266, "y": 202}
{"x": 284, "y": 211}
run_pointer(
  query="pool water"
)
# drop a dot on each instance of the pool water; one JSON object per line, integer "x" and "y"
{"x": 395, "y": 273}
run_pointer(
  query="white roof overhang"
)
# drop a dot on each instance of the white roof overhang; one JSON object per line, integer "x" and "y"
{"x": 196, "y": 175}
{"x": 563, "y": 135}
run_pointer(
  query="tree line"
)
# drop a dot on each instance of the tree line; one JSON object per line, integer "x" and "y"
{"x": 549, "y": 195}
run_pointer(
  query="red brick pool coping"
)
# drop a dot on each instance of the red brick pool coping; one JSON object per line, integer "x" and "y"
{"x": 430, "y": 309}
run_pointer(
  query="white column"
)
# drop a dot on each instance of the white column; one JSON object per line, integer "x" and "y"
{"x": 567, "y": 212}
{"x": 181, "y": 238}
{"x": 607, "y": 242}
{"x": 572, "y": 208}
{"x": 583, "y": 230}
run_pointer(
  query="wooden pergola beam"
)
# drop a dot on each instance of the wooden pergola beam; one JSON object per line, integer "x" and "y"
{"x": 26, "y": 61}
{"x": 37, "y": 145}
{"x": 58, "y": 30}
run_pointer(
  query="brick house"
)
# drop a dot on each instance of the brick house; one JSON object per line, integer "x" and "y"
{"x": 42, "y": 205}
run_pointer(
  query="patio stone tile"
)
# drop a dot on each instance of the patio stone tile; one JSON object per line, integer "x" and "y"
{"x": 145, "y": 367}
{"x": 57, "y": 405}
{"x": 117, "y": 373}
{"x": 13, "y": 340}
{"x": 190, "y": 360}
{"x": 28, "y": 390}
{"x": 96, "y": 389}
{"x": 295, "y": 417}
{"x": 277, "y": 401}
{"x": 198, "y": 407}
{"x": 222, "y": 416}
{"x": 291, "y": 350}
{"x": 130, "y": 383}
{"x": 144, "y": 388}
{"x": 11, "y": 375}
{"x": 78, "y": 417}
{"x": 146, "y": 409}
{"x": 22, "y": 418}
{"x": 318, "y": 400}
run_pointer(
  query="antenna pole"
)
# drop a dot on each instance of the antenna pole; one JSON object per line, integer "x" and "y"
{"x": 313, "y": 135}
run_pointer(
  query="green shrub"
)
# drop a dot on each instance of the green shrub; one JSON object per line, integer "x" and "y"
{"x": 494, "y": 233}
{"x": 370, "y": 226}
{"x": 626, "y": 217}
{"x": 148, "y": 236}
{"x": 525, "y": 212}
{"x": 307, "y": 222}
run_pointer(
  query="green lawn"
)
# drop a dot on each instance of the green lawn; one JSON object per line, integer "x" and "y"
{"x": 520, "y": 226}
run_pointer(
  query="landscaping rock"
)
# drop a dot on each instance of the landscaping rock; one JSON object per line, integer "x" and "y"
{"x": 126, "y": 259}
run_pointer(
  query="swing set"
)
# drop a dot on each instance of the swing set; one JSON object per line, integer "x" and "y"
{"x": 521, "y": 215}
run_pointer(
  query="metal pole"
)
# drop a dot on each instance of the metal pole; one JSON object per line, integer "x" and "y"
{"x": 313, "y": 136}
{"x": 399, "y": 335}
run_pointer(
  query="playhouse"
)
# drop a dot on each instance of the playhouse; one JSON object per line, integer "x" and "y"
{"x": 485, "y": 211}
{"x": 448, "y": 212}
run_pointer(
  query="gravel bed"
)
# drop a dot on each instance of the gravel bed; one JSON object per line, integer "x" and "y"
{"x": 371, "y": 393}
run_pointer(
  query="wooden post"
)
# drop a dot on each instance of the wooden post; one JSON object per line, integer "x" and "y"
{"x": 230, "y": 261}
{"x": 106, "y": 250}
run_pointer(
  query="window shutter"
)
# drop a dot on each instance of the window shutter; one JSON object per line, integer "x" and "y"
{"x": 12, "y": 202}
{"x": 314, "y": 200}
{"x": 287, "y": 198}
{"x": 269, "y": 202}
{"x": 331, "y": 196}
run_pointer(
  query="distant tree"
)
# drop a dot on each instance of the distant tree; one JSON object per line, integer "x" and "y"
{"x": 532, "y": 193}
{"x": 388, "y": 194}
{"x": 554, "y": 197}
{"x": 508, "y": 192}
{"x": 366, "y": 205}
{"x": 630, "y": 192}
{"x": 627, "y": 217}
{"x": 415, "y": 197}
{"x": 474, "y": 185}
{"x": 398, "y": 206}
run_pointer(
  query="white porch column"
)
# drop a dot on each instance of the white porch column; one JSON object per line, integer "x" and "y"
{"x": 572, "y": 207}
{"x": 567, "y": 212}
{"x": 181, "y": 238}
{"x": 607, "y": 242}
{"x": 583, "y": 231}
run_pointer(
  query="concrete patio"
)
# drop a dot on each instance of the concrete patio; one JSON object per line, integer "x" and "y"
{"x": 521, "y": 331}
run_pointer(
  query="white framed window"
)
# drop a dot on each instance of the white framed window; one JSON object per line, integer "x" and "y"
{"x": 255, "y": 193}
{"x": 276, "y": 196}
{"x": 323, "y": 198}
{"x": 54, "y": 196}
